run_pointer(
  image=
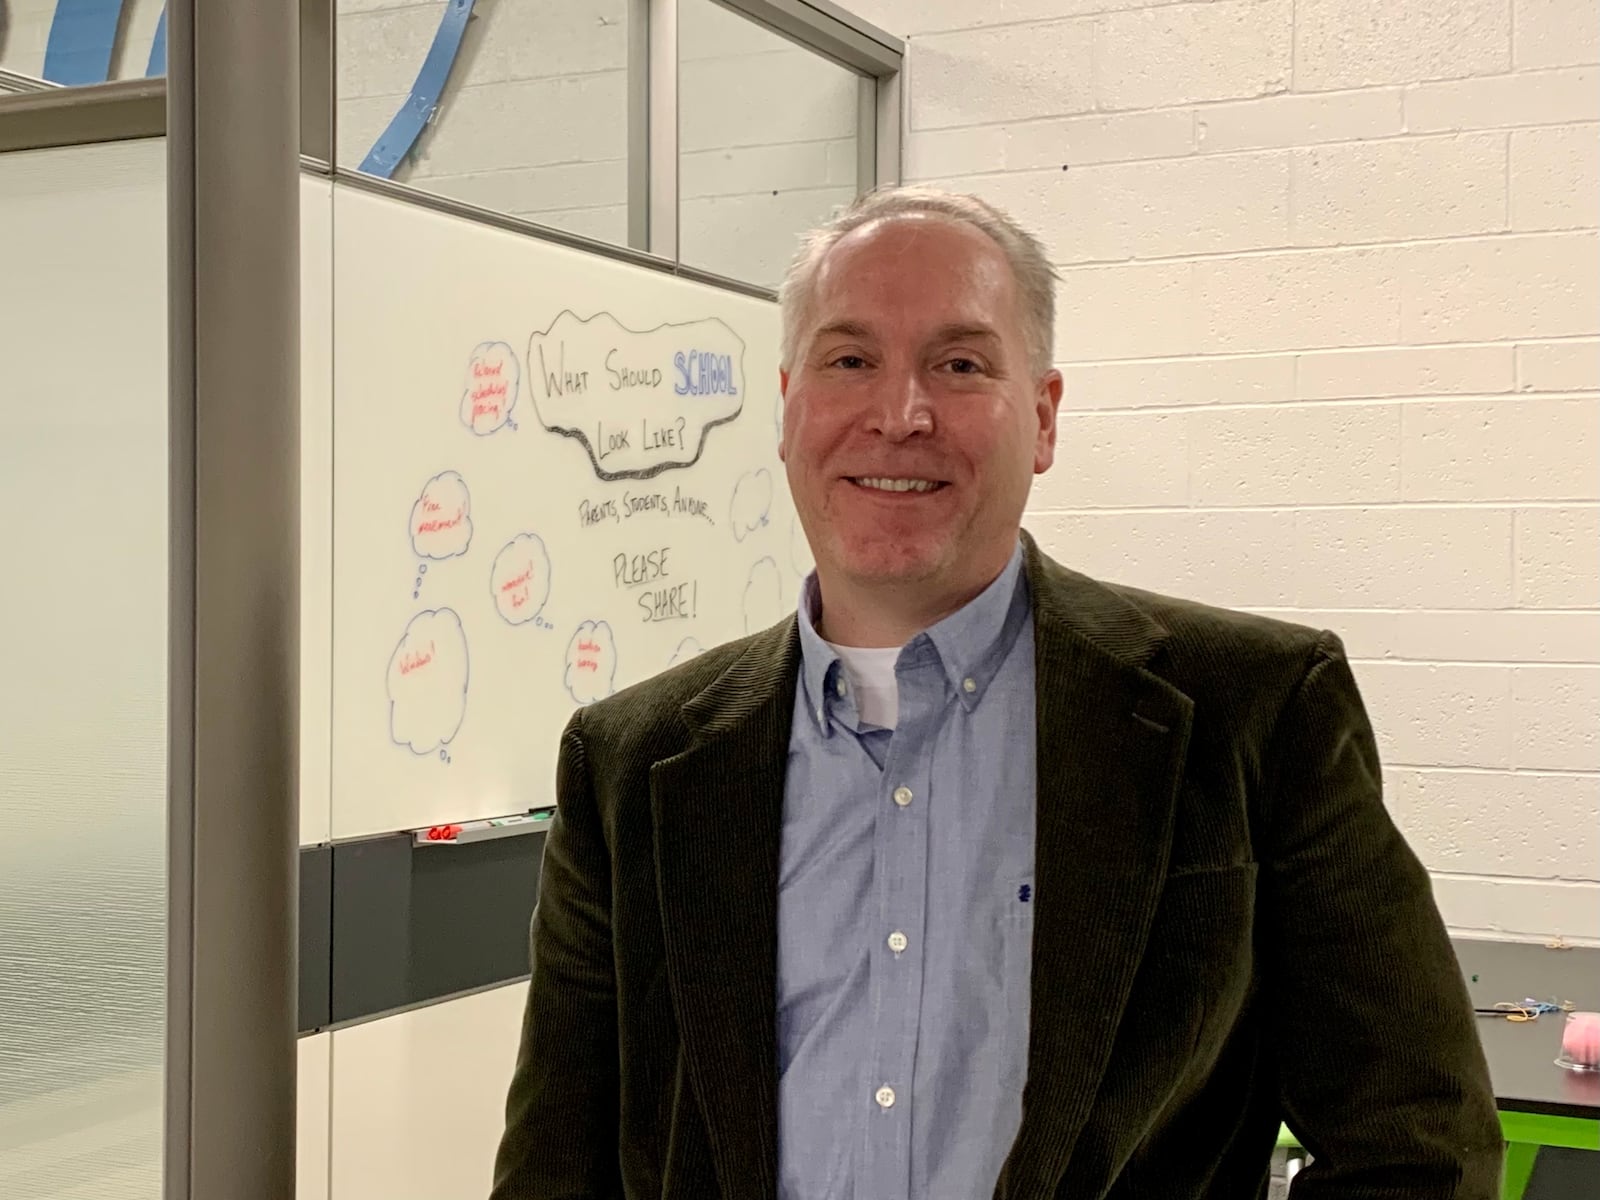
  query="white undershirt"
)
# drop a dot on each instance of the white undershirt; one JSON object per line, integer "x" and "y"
{"x": 870, "y": 672}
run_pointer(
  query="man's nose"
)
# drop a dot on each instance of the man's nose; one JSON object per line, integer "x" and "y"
{"x": 901, "y": 405}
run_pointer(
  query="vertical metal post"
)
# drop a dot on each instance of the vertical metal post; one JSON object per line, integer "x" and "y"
{"x": 179, "y": 1061}
{"x": 866, "y": 134}
{"x": 639, "y": 18}
{"x": 233, "y": 180}
{"x": 664, "y": 128}
{"x": 318, "y": 128}
{"x": 887, "y": 148}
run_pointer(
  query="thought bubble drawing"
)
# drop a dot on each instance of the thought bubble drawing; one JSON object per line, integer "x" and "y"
{"x": 591, "y": 663}
{"x": 520, "y": 580}
{"x": 490, "y": 392}
{"x": 640, "y": 402}
{"x": 763, "y": 596}
{"x": 800, "y": 548}
{"x": 687, "y": 649}
{"x": 441, "y": 522}
{"x": 427, "y": 683}
{"x": 441, "y": 519}
{"x": 752, "y": 501}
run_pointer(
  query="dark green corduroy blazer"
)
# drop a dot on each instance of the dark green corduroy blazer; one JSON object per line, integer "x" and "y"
{"x": 1228, "y": 931}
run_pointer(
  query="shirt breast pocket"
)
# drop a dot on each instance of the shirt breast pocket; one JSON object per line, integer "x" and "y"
{"x": 1014, "y": 929}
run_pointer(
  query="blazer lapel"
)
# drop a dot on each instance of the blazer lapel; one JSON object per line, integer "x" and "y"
{"x": 1111, "y": 743}
{"x": 718, "y": 811}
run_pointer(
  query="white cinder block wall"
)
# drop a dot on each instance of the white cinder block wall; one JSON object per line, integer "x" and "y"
{"x": 1328, "y": 315}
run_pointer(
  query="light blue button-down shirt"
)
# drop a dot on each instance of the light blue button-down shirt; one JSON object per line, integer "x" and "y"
{"x": 905, "y": 915}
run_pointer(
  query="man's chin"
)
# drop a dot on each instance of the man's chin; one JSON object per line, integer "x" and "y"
{"x": 892, "y": 565}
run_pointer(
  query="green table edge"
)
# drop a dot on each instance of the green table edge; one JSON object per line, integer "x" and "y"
{"x": 1542, "y": 1129}
{"x": 1522, "y": 1128}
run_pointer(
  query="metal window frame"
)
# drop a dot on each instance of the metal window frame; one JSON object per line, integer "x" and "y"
{"x": 878, "y": 58}
{"x": 661, "y": 136}
{"x": 546, "y": 233}
{"x": 652, "y": 113}
{"x": 829, "y": 29}
{"x": 319, "y": 108}
{"x": 36, "y": 114}
{"x": 15, "y": 81}
{"x": 40, "y": 115}
{"x": 639, "y": 110}
{"x": 823, "y": 28}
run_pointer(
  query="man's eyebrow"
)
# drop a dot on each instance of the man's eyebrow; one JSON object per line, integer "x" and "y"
{"x": 955, "y": 332}
{"x": 855, "y": 329}
{"x": 965, "y": 332}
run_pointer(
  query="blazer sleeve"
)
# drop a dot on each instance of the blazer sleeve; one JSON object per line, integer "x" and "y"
{"x": 1380, "y": 1070}
{"x": 562, "y": 1110}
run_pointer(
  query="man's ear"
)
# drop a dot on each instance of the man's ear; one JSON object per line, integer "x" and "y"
{"x": 1047, "y": 405}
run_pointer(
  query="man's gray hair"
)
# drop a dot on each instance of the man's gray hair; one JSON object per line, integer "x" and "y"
{"x": 1030, "y": 265}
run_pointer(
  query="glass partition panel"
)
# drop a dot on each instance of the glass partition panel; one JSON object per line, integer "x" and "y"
{"x": 521, "y": 108}
{"x": 83, "y": 43}
{"x": 83, "y": 741}
{"x": 767, "y": 142}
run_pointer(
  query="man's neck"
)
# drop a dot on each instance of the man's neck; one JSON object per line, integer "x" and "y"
{"x": 885, "y": 615}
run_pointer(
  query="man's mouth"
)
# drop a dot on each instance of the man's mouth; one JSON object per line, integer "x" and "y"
{"x": 879, "y": 483}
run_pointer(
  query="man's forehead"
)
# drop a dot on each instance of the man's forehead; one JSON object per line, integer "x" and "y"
{"x": 928, "y": 237}
{"x": 929, "y": 263}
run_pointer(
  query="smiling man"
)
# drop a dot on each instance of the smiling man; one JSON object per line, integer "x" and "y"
{"x": 977, "y": 876}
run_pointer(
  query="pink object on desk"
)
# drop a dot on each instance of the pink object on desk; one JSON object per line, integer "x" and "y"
{"x": 1580, "y": 1042}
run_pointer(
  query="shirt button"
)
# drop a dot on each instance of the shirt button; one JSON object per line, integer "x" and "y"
{"x": 898, "y": 942}
{"x": 840, "y": 687}
{"x": 902, "y": 796}
{"x": 969, "y": 685}
{"x": 885, "y": 1097}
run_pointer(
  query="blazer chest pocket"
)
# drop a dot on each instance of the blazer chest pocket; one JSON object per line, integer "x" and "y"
{"x": 1198, "y": 961}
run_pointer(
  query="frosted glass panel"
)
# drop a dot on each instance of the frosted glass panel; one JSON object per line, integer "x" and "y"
{"x": 532, "y": 105}
{"x": 74, "y": 45}
{"x": 83, "y": 505}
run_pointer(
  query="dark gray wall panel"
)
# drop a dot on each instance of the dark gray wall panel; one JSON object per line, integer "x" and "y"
{"x": 371, "y": 922}
{"x": 410, "y": 924}
{"x": 316, "y": 936}
{"x": 470, "y": 907}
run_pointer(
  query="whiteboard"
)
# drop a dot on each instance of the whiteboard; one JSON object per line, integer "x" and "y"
{"x": 554, "y": 475}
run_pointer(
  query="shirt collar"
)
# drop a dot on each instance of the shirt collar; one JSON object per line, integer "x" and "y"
{"x": 969, "y": 645}
{"x": 819, "y": 663}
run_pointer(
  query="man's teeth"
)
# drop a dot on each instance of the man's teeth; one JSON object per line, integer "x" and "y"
{"x": 899, "y": 485}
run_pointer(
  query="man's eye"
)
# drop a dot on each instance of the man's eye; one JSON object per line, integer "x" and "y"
{"x": 850, "y": 361}
{"x": 963, "y": 366}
